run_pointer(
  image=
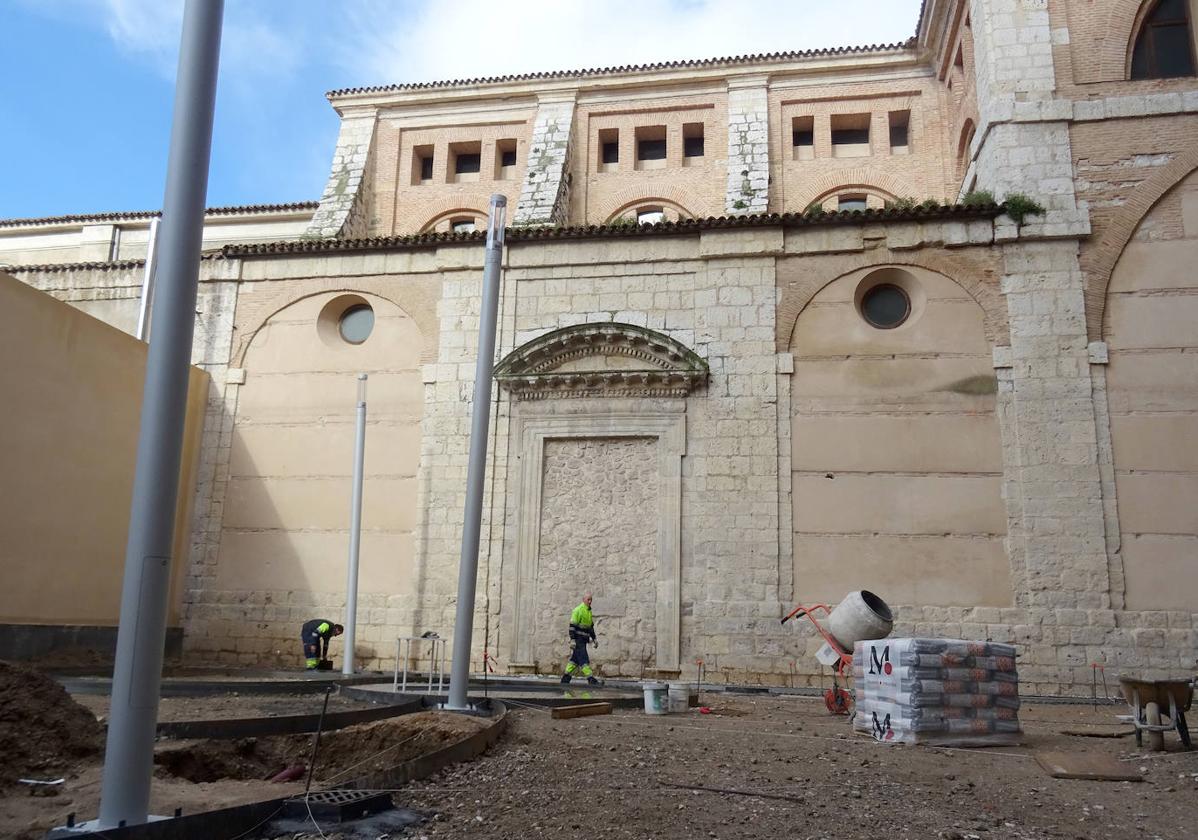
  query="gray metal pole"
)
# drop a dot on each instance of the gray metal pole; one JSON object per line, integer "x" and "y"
{"x": 459, "y": 675}
{"x": 355, "y": 532}
{"x": 147, "y": 284}
{"x": 129, "y": 758}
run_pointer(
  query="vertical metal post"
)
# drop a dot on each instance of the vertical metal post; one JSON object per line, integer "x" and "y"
{"x": 147, "y": 283}
{"x": 459, "y": 673}
{"x": 129, "y": 757}
{"x": 355, "y": 532}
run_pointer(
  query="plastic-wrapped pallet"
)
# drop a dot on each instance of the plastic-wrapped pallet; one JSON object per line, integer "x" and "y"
{"x": 949, "y": 692}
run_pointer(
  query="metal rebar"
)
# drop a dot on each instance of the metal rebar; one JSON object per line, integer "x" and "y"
{"x": 316, "y": 741}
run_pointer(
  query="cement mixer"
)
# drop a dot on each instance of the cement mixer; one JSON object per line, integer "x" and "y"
{"x": 860, "y": 617}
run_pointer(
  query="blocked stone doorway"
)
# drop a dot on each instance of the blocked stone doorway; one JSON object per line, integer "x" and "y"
{"x": 599, "y": 524}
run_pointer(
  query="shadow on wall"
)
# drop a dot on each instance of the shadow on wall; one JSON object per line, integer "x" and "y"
{"x": 896, "y": 452}
{"x": 72, "y": 390}
{"x": 285, "y": 529}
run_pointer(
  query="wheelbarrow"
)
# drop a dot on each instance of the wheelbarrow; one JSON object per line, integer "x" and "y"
{"x": 1147, "y": 699}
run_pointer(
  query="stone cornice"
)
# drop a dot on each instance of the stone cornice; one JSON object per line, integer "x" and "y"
{"x": 664, "y": 367}
{"x": 844, "y": 59}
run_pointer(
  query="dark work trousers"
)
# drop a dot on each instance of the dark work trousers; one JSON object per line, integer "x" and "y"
{"x": 312, "y": 651}
{"x": 579, "y": 660}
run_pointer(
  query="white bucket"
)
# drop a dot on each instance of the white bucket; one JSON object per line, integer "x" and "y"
{"x": 657, "y": 699}
{"x": 860, "y": 616}
{"x": 680, "y": 697}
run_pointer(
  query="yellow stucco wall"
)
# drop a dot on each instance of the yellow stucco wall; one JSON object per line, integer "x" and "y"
{"x": 287, "y": 510}
{"x": 68, "y": 439}
{"x": 896, "y": 454}
{"x": 1151, "y": 312}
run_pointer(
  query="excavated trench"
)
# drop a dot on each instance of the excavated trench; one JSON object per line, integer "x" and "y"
{"x": 343, "y": 754}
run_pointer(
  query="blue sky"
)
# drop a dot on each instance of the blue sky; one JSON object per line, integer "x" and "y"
{"x": 86, "y": 86}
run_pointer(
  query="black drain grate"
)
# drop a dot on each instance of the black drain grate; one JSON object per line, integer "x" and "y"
{"x": 338, "y": 805}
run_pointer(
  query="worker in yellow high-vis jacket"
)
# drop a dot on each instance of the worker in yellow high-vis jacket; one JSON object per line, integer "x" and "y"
{"x": 315, "y": 635}
{"x": 582, "y": 631}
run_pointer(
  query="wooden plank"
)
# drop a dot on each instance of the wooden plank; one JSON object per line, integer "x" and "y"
{"x": 581, "y": 710}
{"x": 1094, "y": 766}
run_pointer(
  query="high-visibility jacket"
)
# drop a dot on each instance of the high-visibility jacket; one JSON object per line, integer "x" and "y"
{"x": 582, "y": 623}
{"x": 317, "y": 628}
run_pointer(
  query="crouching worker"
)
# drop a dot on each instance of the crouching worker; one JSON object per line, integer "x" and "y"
{"x": 582, "y": 630}
{"x": 315, "y": 635}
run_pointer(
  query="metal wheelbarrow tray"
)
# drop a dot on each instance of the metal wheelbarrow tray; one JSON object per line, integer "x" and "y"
{"x": 1148, "y": 700}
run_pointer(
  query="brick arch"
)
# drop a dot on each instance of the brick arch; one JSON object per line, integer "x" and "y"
{"x": 885, "y": 195}
{"x": 1110, "y": 39}
{"x": 680, "y": 198}
{"x": 271, "y": 305}
{"x": 978, "y": 276}
{"x": 479, "y": 216}
{"x": 860, "y": 178}
{"x": 1099, "y": 260}
{"x": 682, "y": 212}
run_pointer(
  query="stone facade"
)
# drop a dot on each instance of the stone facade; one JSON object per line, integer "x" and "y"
{"x": 703, "y": 423}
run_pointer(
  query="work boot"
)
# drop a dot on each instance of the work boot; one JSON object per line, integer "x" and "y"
{"x": 565, "y": 679}
{"x": 592, "y": 681}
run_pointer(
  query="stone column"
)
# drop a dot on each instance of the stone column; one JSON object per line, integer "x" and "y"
{"x": 748, "y": 146}
{"x": 1053, "y": 484}
{"x": 342, "y": 210}
{"x": 545, "y": 195}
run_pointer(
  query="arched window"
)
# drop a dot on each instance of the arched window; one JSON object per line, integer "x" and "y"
{"x": 1164, "y": 46}
{"x": 963, "y": 147}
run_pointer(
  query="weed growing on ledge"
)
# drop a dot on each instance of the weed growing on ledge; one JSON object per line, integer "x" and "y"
{"x": 1018, "y": 206}
{"x": 978, "y": 198}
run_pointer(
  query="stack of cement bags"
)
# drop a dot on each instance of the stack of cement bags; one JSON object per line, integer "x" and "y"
{"x": 937, "y": 691}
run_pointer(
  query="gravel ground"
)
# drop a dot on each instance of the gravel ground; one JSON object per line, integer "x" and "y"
{"x": 611, "y": 775}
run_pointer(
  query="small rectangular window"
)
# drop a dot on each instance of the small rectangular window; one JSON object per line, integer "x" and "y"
{"x": 850, "y": 202}
{"x": 505, "y": 160}
{"x": 802, "y": 138}
{"x": 692, "y": 142}
{"x": 900, "y": 122}
{"x": 467, "y": 164}
{"x": 651, "y": 147}
{"x": 465, "y": 161}
{"x": 422, "y": 164}
{"x": 609, "y": 149}
{"x": 850, "y": 135}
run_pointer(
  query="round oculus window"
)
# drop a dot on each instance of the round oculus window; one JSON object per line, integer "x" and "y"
{"x": 356, "y": 323}
{"x": 885, "y": 306}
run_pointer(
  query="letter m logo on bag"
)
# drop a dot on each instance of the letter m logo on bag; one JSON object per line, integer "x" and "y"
{"x": 879, "y": 663}
{"x": 882, "y": 730}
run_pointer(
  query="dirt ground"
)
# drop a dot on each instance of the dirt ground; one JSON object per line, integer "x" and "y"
{"x": 782, "y": 766}
{"x": 611, "y": 776}
{"x": 204, "y": 775}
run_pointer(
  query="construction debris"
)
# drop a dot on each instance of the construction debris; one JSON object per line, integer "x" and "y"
{"x": 1093, "y": 766}
{"x": 581, "y": 710}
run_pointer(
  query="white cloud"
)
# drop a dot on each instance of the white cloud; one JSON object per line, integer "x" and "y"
{"x": 477, "y": 38}
{"x": 142, "y": 26}
{"x": 254, "y": 42}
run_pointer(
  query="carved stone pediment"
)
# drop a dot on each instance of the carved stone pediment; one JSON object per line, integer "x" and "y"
{"x": 601, "y": 359}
